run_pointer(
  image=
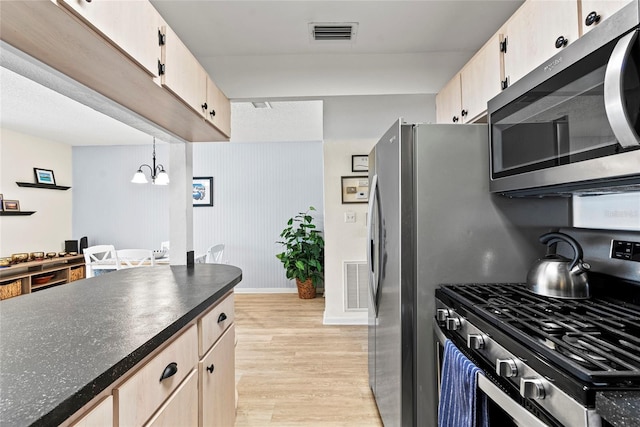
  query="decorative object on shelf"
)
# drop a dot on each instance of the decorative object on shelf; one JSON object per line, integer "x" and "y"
{"x": 10, "y": 205}
{"x": 158, "y": 175}
{"x": 360, "y": 163}
{"x": 355, "y": 189}
{"x": 51, "y": 254}
{"x": 21, "y": 257}
{"x": 202, "y": 191}
{"x": 44, "y": 176}
{"x": 41, "y": 280}
{"x": 303, "y": 256}
{"x": 36, "y": 256}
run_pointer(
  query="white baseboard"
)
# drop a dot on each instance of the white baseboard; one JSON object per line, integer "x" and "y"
{"x": 239, "y": 290}
{"x": 346, "y": 320}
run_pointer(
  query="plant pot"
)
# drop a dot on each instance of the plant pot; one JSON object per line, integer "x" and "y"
{"x": 306, "y": 290}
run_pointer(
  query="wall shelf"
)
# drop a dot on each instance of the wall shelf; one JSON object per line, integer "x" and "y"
{"x": 47, "y": 186}
{"x": 16, "y": 213}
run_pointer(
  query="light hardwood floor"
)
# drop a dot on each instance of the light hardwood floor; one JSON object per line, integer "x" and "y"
{"x": 292, "y": 370}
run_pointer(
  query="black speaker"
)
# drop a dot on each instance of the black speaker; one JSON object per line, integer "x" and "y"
{"x": 83, "y": 244}
{"x": 71, "y": 246}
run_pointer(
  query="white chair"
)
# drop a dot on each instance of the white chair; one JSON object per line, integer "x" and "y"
{"x": 165, "y": 245}
{"x": 100, "y": 257}
{"x": 130, "y": 258}
{"x": 214, "y": 254}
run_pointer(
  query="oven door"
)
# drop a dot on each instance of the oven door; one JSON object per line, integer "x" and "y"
{"x": 503, "y": 410}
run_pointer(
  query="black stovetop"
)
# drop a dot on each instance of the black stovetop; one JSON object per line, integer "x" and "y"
{"x": 596, "y": 340}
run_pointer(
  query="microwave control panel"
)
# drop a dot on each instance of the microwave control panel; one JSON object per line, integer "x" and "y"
{"x": 629, "y": 251}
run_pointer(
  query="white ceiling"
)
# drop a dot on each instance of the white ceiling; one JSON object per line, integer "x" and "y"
{"x": 262, "y": 50}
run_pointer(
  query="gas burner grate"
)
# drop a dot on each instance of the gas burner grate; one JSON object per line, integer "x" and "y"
{"x": 595, "y": 339}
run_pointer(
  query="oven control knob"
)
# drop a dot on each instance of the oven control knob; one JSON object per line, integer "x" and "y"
{"x": 442, "y": 314}
{"x": 532, "y": 388}
{"x": 475, "y": 341}
{"x": 453, "y": 323}
{"x": 506, "y": 368}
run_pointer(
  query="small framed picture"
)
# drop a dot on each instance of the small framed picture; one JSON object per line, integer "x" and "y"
{"x": 359, "y": 163}
{"x": 10, "y": 205}
{"x": 44, "y": 176}
{"x": 355, "y": 189}
{"x": 202, "y": 191}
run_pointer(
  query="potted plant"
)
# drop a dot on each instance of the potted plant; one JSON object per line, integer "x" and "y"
{"x": 303, "y": 256}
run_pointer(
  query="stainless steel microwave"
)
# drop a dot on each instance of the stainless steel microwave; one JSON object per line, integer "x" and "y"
{"x": 571, "y": 125}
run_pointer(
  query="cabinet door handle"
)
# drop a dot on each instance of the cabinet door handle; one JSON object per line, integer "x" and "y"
{"x": 169, "y": 371}
{"x": 592, "y": 18}
{"x": 464, "y": 113}
{"x": 222, "y": 317}
{"x": 204, "y": 106}
{"x": 210, "y": 368}
{"x": 455, "y": 119}
{"x": 561, "y": 42}
{"x": 212, "y": 113}
{"x": 161, "y": 68}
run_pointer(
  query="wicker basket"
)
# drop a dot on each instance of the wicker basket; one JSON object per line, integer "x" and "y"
{"x": 306, "y": 290}
{"x": 12, "y": 289}
{"x": 76, "y": 273}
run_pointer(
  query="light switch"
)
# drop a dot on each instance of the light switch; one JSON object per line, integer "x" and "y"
{"x": 349, "y": 216}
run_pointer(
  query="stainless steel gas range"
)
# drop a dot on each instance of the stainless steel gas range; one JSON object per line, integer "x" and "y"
{"x": 546, "y": 359}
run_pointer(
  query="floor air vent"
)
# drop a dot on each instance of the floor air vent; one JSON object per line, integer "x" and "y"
{"x": 345, "y": 31}
{"x": 356, "y": 289}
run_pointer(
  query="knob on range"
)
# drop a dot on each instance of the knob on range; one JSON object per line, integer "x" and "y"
{"x": 442, "y": 314}
{"x": 453, "y": 323}
{"x": 506, "y": 368}
{"x": 476, "y": 341}
{"x": 532, "y": 388}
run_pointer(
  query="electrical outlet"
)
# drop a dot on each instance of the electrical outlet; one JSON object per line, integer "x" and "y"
{"x": 349, "y": 216}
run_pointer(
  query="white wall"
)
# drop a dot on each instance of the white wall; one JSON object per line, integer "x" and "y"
{"x": 50, "y": 226}
{"x": 352, "y": 125}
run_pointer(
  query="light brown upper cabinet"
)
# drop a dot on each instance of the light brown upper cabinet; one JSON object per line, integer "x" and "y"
{"x": 595, "y": 11}
{"x": 187, "y": 79}
{"x": 480, "y": 80}
{"x": 218, "y": 110}
{"x": 449, "y": 102}
{"x": 132, "y": 26}
{"x": 536, "y": 32}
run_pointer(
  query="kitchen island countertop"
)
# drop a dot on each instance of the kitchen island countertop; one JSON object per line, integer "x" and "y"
{"x": 61, "y": 347}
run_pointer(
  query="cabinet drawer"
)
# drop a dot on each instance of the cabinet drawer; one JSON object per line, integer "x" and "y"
{"x": 214, "y": 323}
{"x": 218, "y": 379}
{"x": 182, "y": 407}
{"x": 100, "y": 416}
{"x": 139, "y": 397}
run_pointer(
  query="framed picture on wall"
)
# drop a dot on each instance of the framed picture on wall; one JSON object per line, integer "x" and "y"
{"x": 44, "y": 176}
{"x": 11, "y": 205}
{"x": 202, "y": 191}
{"x": 355, "y": 189}
{"x": 359, "y": 163}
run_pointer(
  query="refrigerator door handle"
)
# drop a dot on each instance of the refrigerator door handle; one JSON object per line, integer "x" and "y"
{"x": 373, "y": 277}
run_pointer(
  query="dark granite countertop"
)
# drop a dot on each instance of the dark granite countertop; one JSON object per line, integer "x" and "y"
{"x": 619, "y": 408}
{"x": 62, "y": 346}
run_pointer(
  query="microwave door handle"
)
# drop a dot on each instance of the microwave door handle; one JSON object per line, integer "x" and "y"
{"x": 613, "y": 92}
{"x": 373, "y": 278}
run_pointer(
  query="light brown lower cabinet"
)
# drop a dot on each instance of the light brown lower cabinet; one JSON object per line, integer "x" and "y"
{"x": 189, "y": 381}
{"x": 217, "y": 383}
{"x": 182, "y": 407}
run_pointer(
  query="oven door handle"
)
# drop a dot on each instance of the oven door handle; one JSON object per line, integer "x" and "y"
{"x": 614, "y": 102}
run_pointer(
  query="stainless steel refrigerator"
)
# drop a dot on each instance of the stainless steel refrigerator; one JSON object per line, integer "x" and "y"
{"x": 432, "y": 220}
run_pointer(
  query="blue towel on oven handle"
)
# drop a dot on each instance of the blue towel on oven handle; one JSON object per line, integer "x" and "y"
{"x": 462, "y": 404}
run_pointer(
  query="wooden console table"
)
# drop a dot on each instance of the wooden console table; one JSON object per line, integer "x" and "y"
{"x": 26, "y": 277}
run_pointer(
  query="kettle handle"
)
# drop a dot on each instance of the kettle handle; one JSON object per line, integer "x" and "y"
{"x": 555, "y": 237}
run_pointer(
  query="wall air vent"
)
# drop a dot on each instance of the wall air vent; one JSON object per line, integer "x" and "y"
{"x": 336, "y": 31}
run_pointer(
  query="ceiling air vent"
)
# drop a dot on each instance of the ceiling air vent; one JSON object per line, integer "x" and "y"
{"x": 337, "y": 32}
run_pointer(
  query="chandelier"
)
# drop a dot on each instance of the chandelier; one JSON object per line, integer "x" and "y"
{"x": 158, "y": 175}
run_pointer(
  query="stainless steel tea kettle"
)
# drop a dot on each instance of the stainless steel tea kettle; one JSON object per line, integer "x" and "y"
{"x": 557, "y": 276}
